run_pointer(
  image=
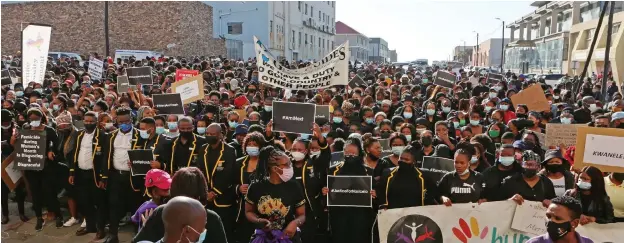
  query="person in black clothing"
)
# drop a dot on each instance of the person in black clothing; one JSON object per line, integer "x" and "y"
{"x": 590, "y": 191}
{"x": 405, "y": 185}
{"x": 368, "y": 121}
{"x": 88, "y": 158}
{"x": 430, "y": 115}
{"x": 505, "y": 166}
{"x": 42, "y": 182}
{"x": 529, "y": 185}
{"x": 428, "y": 149}
{"x": 8, "y": 128}
{"x": 337, "y": 121}
{"x": 480, "y": 88}
{"x": 189, "y": 182}
{"x": 556, "y": 168}
{"x": 148, "y": 139}
{"x": 246, "y": 166}
{"x": 239, "y": 135}
{"x": 398, "y": 142}
{"x": 478, "y": 161}
{"x": 276, "y": 203}
{"x": 181, "y": 151}
{"x": 462, "y": 185}
{"x": 583, "y": 115}
{"x": 218, "y": 161}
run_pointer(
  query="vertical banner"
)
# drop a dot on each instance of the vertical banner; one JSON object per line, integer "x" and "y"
{"x": 185, "y": 73}
{"x": 322, "y": 114}
{"x": 96, "y": 68}
{"x": 35, "y": 46}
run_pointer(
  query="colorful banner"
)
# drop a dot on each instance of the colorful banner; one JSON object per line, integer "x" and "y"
{"x": 487, "y": 222}
{"x": 185, "y": 73}
{"x": 35, "y": 45}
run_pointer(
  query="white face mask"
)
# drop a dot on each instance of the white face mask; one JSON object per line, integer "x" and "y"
{"x": 287, "y": 174}
{"x": 396, "y": 150}
{"x": 298, "y": 156}
{"x": 315, "y": 153}
{"x": 463, "y": 173}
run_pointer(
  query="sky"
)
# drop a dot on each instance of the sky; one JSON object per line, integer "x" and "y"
{"x": 429, "y": 29}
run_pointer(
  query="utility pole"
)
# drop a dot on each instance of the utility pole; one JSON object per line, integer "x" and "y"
{"x": 591, "y": 48}
{"x": 503, "y": 48}
{"x": 607, "y": 63}
{"x": 106, "y": 28}
{"x": 477, "y": 54}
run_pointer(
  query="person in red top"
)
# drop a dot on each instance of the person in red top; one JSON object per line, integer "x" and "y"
{"x": 505, "y": 106}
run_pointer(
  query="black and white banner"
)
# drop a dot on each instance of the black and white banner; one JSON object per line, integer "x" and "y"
{"x": 123, "y": 84}
{"x": 445, "y": 79}
{"x": 436, "y": 167}
{"x": 293, "y": 117}
{"x": 140, "y": 160}
{"x": 333, "y": 69}
{"x": 140, "y": 75}
{"x": 349, "y": 191}
{"x": 31, "y": 150}
{"x": 356, "y": 82}
{"x": 96, "y": 68}
{"x": 35, "y": 45}
{"x": 322, "y": 114}
{"x": 170, "y": 104}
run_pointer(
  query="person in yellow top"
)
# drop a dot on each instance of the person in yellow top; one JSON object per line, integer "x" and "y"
{"x": 615, "y": 189}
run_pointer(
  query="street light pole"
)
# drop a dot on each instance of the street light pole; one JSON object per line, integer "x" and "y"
{"x": 502, "y": 46}
{"x": 477, "y": 54}
{"x": 107, "y": 42}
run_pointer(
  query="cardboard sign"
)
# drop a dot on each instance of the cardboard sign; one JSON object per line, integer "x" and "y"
{"x": 170, "y": 104}
{"x": 293, "y": 117}
{"x": 356, "y": 82}
{"x": 336, "y": 158}
{"x": 242, "y": 115}
{"x": 123, "y": 84}
{"x": 322, "y": 114}
{"x": 30, "y": 152}
{"x": 185, "y": 73}
{"x": 494, "y": 78}
{"x": 140, "y": 75}
{"x": 190, "y": 89}
{"x": 557, "y": 134}
{"x": 11, "y": 175}
{"x": 436, "y": 167}
{"x": 96, "y": 68}
{"x": 600, "y": 147}
{"x": 445, "y": 79}
{"x": 141, "y": 160}
{"x": 530, "y": 217}
{"x": 533, "y": 97}
{"x": 349, "y": 191}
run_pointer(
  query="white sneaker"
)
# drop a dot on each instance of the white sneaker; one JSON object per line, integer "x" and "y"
{"x": 84, "y": 224}
{"x": 70, "y": 222}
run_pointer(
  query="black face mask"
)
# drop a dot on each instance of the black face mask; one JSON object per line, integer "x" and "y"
{"x": 372, "y": 157}
{"x": 55, "y": 89}
{"x": 187, "y": 135}
{"x": 385, "y": 134}
{"x": 556, "y": 231}
{"x": 522, "y": 116}
{"x": 212, "y": 140}
{"x": 529, "y": 144}
{"x": 352, "y": 159}
{"x": 554, "y": 168}
{"x": 529, "y": 173}
{"x": 426, "y": 141}
{"x": 403, "y": 165}
{"x": 90, "y": 127}
{"x": 254, "y": 123}
{"x": 618, "y": 176}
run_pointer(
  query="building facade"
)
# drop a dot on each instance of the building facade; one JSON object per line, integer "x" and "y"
{"x": 293, "y": 30}
{"x": 358, "y": 42}
{"x": 489, "y": 53}
{"x": 378, "y": 50}
{"x": 393, "y": 56}
{"x": 463, "y": 54}
{"x": 82, "y": 31}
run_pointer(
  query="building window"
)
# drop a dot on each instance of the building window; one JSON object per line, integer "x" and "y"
{"x": 299, "y": 6}
{"x": 319, "y": 42}
{"x": 306, "y": 10}
{"x": 333, "y": 4}
{"x": 323, "y": 44}
{"x": 299, "y": 38}
{"x": 319, "y": 16}
{"x": 270, "y": 26}
{"x": 293, "y": 37}
{"x": 311, "y": 11}
{"x": 235, "y": 28}
{"x": 306, "y": 39}
{"x": 328, "y": 44}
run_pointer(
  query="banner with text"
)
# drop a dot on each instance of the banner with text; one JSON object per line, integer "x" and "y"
{"x": 140, "y": 160}
{"x": 96, "y": 68}
{"x": 140, "y": 75}
{"x": 30, "y": 150}
{"x": 557, "y": 134}
{"x": 35, "y": 45}
{"x": 332, "y": 70}
{"x": 190, "y": 88}
{"x": 170, "y": 104}
{"x": 600, "y": 147}
{"x": 322, "y": 114}
{"x": 293, "y": 117}
{"x": 11, "y": 175}
{"x": 123, "y": 84}
{"x": 349, "y": 191}
{"x": 436, "y": 167}
{"x": 445, "y": 79}
{"x": 185, "y": 73}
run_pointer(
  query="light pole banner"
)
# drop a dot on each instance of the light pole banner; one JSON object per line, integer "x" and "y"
{"x": 35, "y": 45}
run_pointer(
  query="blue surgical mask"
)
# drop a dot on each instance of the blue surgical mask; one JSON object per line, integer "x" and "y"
{"x": 408, "y": 137}
{"x": 268, "y": 108}
{"x": 446, "y": 109}
{"x": 430, "y": 112}
{"x": 474, "y": 122}
{"x": 488, "y": 108}
{"x": 504, "y": 107}
{"x": 36, "y": 123}
{"x": 201, "y": 130}
{"x": 305, "y": 136}
{"x": 566, "y": 120}
{"x": 324, "y": 134}
{"x": 370, "y": 120}
{"x": 39, "y": 90}
{"x": 474, "y": 160}
{"x": 396, "y": 150}
{"x": 583, "y": 185}
{"x": 407, "y": 115}
{"x": 19, "y": 93}
{"x": 337, "y": 119}
{"x": 125, "y": 127}
{"x": 252, "y": 151}
{"x": 456, "y": 124}
{"x": 56, "y": 107}
{"x": 172, "y": 125}
{"x": 144, "y": 134}
{"x": 506, "y": 160}
{"x": 160, "y": 130}
{"x": 232, "y": 124}
{"x": 492, "y": 95}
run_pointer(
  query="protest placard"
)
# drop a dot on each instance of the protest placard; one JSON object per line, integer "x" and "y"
{"x": 6, "y": 77}
{"x": 436, "y": 167}
{"x": 190, "y": 89}
{"x": 356, "y": 81}
{"x": 557, "y": 134}
{"x": 11, "y": 175}
{"x": 293, "y": 117}
{"x": 35, "y": 46}
{"x": 600, "y": 147}
{"x": 96, "y": 68}
{"x": 185, "y": 73}
{"x": 533, "y": 97}
{"x": 322, "y": 114}
{"x": 140, "y": 160}
{"x": 123, "y": 84}
{"x": 170, "y": 104}
{"x": 331, "y": 70}
{"x": 349, "y": 191}
{"x": 530, "y": 218}
{"x": 140, "y": 75}
{"x": 445, "y": 79}
{"x": 336, "y": 158}
{"x": 495, "y": 78}
{"x": 30, "y": 152}
{"x": 242, "y": 114}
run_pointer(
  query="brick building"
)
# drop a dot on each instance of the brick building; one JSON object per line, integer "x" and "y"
{"x": 79, "y": 26}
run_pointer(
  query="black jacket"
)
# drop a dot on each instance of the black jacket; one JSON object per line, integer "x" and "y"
{"x": 221, "y": 173}
{"x": 405, "y": 187}
{"x": 170, "y": 160}
{"x": 493, "y": 178}
{"x": 601, "y": 209}
{"x": 99, "y": 149}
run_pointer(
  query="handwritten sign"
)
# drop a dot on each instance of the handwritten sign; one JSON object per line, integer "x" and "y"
{"x": 557, "y": 134}
{"x": 190, "y": 89}
{"x": 530, "y": 218}
{"x": 600, "y": 147}
{"x": 533, "y": 97}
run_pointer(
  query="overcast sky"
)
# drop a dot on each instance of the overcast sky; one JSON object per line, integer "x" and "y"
{"x": 429, "y": 29}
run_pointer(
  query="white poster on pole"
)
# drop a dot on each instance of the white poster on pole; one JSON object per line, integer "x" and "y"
{"x": 96, "y": 68}
{"x": 35, "y": 45}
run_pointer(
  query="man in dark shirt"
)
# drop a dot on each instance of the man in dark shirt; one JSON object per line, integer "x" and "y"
{"x": 237, "y": 141}
{"x": 481, "y": 88}
{"x": 181, "y": 151}
{"x": 529, "y": 185}
{"x": 505, "y": 166}
{"x": 583, "y": 115}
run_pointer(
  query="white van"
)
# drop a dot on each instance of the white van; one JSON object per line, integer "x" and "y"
{"x": 139, "y": 54}
{"x": 58, "y": 55}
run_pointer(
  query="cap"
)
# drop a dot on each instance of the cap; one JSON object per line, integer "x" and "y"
{"x": 617, "y": 115}
{"x": 529, "y": 155}
{"x": 240, "y": 129}
{"x": 553, "y": 153}
{"x": 157, "y": 178}
{"x": 519, "y": 144}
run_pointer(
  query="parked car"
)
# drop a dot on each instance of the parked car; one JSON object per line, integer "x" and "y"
{"x": 551, "y": 79}
{"x": 58, "y": 55}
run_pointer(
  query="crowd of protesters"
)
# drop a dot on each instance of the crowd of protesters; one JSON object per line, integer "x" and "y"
{"x": 256, "y": 184}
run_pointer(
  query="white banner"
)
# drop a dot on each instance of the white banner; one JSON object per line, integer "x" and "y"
{"x": 35, "y": 45}
{"x": 488, "y": 222}
{"x": 604, "y": 150}
{"x": 96, "y": 67}
{"x": 333, "y": 69}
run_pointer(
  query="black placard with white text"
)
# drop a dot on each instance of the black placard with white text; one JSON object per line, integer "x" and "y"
{"x": 349, "y": 191}
{"x": 356, "y": 82}
{"x": 322, "y": 114}
{"x": 170, "y": 104}
{"x": 123, "y": 84}
{"x": 336, "y": 157}
{"x": 293, "y": 117}
{"x": 436, "y": 167}
{"x": 140, "y": 75}
{"x": 140, "y": 160}
{"x": 30, "y": 150}
{"x": 445, "y": 79}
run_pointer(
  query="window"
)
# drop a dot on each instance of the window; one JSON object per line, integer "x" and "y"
{"x": 319, "y": 16}
{"x": 306, "y": 10}
{"x": 293, "y": 37}
{"x": 311, "y": 11}
{"x": 299, "y": 6}
{"x": 270, "y": 26}
{"x": 235, "y": 28}
{"x": 319, "y": 42}
{"x": 328, "y": 46}
{"x": 332, "y": 44}
{"x": 306, "y": 39}
{"x": 333, "y": 4}
{"x": 299, "y": 38}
